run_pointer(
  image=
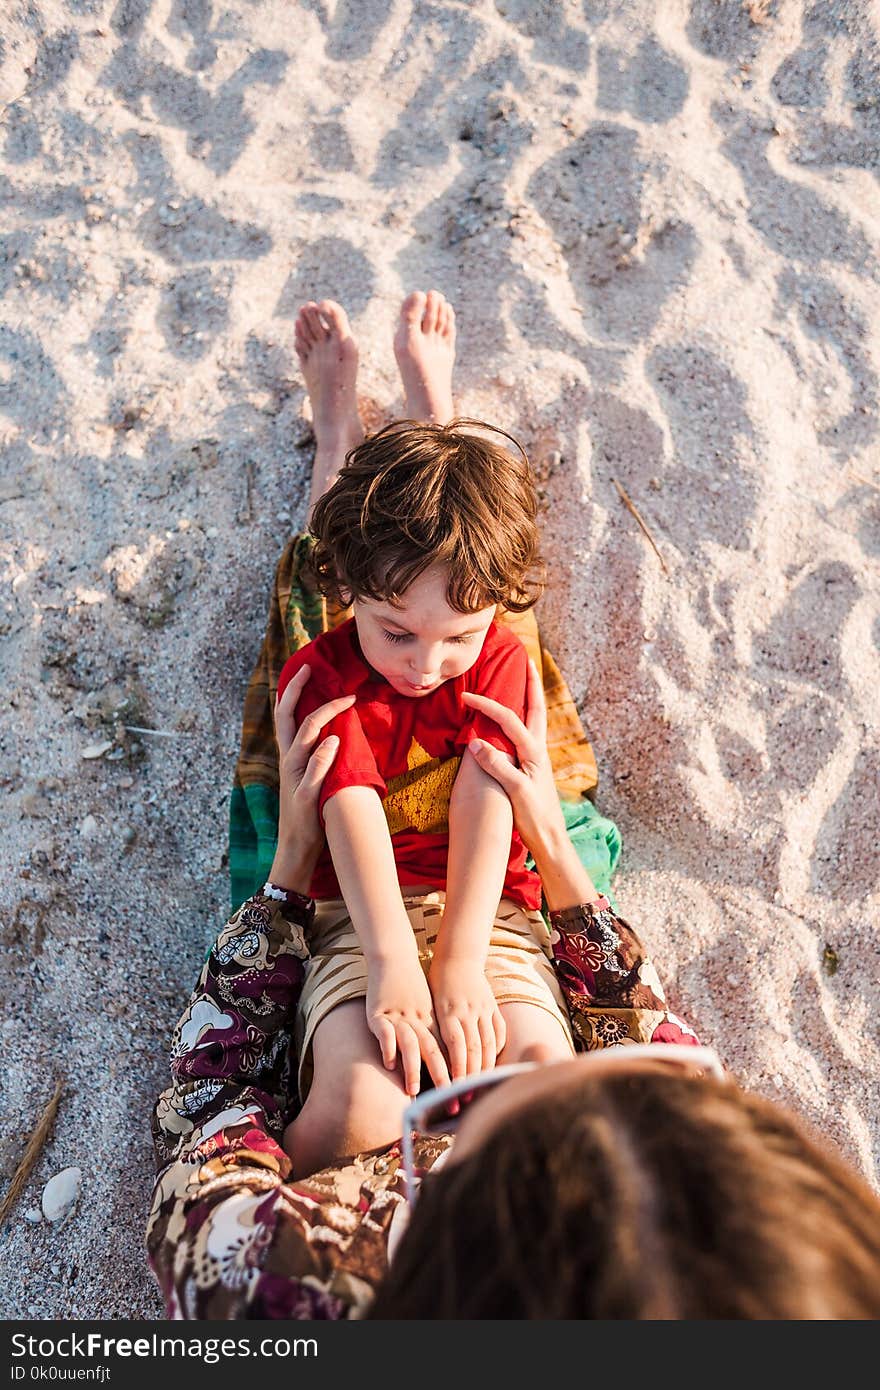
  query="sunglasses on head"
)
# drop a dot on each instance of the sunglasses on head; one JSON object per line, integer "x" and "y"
{"x": 439, "y": 1111}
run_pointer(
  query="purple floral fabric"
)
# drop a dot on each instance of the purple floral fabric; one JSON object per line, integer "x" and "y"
{"x": 612, "y": 990}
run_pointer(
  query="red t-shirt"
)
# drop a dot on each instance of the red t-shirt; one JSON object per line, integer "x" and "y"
{"x": 410, "y": 749}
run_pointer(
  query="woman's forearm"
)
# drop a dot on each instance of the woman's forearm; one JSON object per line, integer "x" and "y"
{"x": 564, "y": 879}
{"x": 291, "y": 868}
{"x": 363, "y": 857}
{"x": 480, "y": 830}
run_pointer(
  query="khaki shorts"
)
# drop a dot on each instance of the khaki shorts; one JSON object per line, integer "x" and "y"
{"x": 518, "y": 965}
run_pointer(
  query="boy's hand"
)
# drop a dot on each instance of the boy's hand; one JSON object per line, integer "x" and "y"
{"x": 471, "y": 1024}
{"x": 401, "y": 1016}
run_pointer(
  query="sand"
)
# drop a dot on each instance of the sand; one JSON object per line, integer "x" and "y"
{"x": 659, "y": 226}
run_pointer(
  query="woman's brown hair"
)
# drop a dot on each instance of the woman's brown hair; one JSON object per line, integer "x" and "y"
{"x": 414, "y": 495}
{"x": 638, "y": 1197}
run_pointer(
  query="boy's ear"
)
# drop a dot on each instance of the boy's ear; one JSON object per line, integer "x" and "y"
{"x": 345, "y": 595}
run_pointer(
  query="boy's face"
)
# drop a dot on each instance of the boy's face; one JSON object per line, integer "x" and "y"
{"x": 422, "y": 642}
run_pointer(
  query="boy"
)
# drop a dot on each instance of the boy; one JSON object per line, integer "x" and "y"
{"x": 427, "y": 919}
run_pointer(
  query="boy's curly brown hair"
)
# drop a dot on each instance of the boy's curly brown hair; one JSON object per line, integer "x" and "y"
{"x": 414, "y": 495}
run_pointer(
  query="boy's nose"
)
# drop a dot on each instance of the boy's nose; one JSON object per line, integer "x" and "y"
{"x": 425, "y": 666}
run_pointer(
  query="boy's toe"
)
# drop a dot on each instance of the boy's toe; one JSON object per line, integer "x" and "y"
{"x": 335, "y": 316}
{"x": 413, "y": 306}
{"x": 433, "y": 303}
{"x": 315, "y": 322}
{"x": 302, "y": 332}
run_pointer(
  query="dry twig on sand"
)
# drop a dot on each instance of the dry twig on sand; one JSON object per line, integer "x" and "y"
{"x": 31, "y": 1154}
{"x": 860, "y": 478}
{"x": 631, "y": 506}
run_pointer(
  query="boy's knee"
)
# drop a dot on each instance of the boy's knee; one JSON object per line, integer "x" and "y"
{"x": 533, "y": 1035}
{"x": 543, "y": 1052}
{"x": 366, "y": 1104}
{"x": 376, "y": 1100}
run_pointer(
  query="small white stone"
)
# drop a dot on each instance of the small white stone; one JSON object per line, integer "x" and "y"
{"x": 60, "y": 1194}
{"x": 33, "y": 1216}
{"x": 97, "y": 750}
{"x": 89, "y": 828}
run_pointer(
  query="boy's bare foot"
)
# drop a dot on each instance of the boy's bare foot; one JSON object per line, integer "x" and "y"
{"x": 328, "y": 357}
{"x": 424, "y": 346}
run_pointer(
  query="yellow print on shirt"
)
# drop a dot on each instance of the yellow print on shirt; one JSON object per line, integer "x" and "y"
{"x": 418, "y": 799}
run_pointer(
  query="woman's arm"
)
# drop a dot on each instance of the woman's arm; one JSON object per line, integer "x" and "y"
{"x": 229, "y": 1053}
{"x": 612, "y": 990}
{"x": 533, "y": 796}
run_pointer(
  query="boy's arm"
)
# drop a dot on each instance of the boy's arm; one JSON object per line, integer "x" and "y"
{"x": 399, "y": 1009}
{"x": 480, "y": 829}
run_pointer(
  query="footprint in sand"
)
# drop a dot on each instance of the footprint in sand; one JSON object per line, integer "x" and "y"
{"x": 709, "y": 491}
{"x": 32, "y": 392}
{"x": 831, "y": 323}
{"x": 556, "y": 42}
{"x": 194, "y": 309}
{"x": 217, "y": 121}
{"x": 327, "y": 267}
{"x": 792, "y": 218}
{"x": 803, "y": 640}
{"x": 829, "y": 86}
{"x": 803, "y": 736}
{"x": 623, "y": 268}
{"x": 846, "y": 858}
{"x": 652, "y": 84}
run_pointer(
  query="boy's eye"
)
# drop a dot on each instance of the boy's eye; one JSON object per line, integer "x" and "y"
{"x": 405, "y": 636}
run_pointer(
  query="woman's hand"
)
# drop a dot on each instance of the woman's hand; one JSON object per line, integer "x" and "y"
{"x": 400, "y": 1015}
{"x": 537, "y": 813}
{"x": 303, "y": 763}
{"x": 530, "y": 787}
{"x": 469, "y": 1019}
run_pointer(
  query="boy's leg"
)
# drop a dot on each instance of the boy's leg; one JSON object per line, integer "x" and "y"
{"x": 328, "y": 357}
{"x": 355, "y": 1104}
{"x": 533, "y": 1035}
{"x": 424, "y": 345}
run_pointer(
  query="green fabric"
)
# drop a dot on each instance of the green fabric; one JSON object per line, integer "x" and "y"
{"x": 304, "y": 617}
{"x": 253, "y": 835}
{"x": 597, "y": 841}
